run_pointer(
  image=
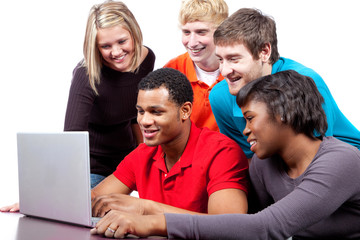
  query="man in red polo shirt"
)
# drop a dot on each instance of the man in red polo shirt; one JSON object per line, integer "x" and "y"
{"x": 179, "y": 168}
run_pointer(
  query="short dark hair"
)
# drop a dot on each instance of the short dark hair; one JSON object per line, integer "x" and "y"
{"x": 179, "y": 87}
{"x": 293, "y": 97}
{"x": 250, "y": 27}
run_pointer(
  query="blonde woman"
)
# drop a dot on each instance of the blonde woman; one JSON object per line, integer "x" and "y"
{"x": 103, "y": 91}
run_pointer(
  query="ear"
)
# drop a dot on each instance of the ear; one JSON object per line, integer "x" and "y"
{"x": 265, "y": 53}
{"x": 185, "y": 111}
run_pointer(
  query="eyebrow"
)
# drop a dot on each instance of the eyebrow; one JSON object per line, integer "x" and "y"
{"x": 117, "y": 40}
{"x": 246, "y": 112}
{"x": 228, "y": 55}
{"x": 203, "y": 29}
{"x": 196, "y": 30}
{"x": 152, "y": 107}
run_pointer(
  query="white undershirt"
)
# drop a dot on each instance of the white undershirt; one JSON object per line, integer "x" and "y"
{"x": 207, "y": 77}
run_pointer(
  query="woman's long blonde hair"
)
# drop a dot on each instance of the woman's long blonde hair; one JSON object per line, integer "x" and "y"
{"x": 105, "y": 15}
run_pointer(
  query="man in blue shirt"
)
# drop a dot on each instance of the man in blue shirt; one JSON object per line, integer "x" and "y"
{"x": 246, "y": 45}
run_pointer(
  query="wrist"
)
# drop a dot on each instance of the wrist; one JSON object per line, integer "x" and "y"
{"x": 158, "y": 225}
{"x": 152, "y": 208}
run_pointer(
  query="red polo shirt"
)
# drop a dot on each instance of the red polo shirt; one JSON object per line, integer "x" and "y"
{"x": 210, "y": 162}
{"x": 202, "y": 114}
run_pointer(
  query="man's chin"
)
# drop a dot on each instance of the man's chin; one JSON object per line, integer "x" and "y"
{"x": 151, "y": 143}
{"x": 234, "y": 91}
{"x": 234, "y": 87}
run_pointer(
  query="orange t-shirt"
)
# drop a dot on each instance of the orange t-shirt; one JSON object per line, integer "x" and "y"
{"x": 201, "y": 114}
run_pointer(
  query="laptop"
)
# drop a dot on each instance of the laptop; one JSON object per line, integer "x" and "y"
{"x": 54, "y": 176}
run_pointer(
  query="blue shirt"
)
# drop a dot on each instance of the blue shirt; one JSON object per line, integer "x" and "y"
{"x": 231, "y": 122}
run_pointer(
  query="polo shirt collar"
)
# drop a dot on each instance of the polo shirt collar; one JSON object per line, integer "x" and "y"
{"x": 159, "y": 160}
{"x": 191, "y": 72}
{"x": 190, "y": 69}
{"x": 188, "y": 154}
{"x": 236, "y": 109}
{"x": 278, "y": 65}
{"x": 185, "y": 159}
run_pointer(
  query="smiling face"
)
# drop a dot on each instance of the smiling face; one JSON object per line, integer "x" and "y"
{"x": 238, "y": 66}
{"x": 116, "y": 47}
{"x": 160, "y": 120}
{"x": 267, "y": 136}
{"x": 197, "y": 38}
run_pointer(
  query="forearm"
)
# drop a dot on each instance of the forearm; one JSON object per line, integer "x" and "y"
{"x": 158, "y": 225}
{"x": 220, "y": 202}
{"x": 156, "y": 208}
{"x": 227, "y": 226}
{"x": 108, "y": 186}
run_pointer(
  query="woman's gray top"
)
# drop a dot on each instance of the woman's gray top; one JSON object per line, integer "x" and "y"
{"x": 324, "y": 202}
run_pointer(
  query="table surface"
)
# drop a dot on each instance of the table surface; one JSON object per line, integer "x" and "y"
{"x": 20, "y": 227}
{"x": 17, "y": 226}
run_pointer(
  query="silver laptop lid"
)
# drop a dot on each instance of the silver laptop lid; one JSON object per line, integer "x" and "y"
{"x": 54, "y": 176}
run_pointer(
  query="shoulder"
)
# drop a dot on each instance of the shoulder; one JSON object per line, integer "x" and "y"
{"x": 150, "y": 54}
{"x": 336, "y": 152}
{"x": 179, "y": 61}
{"x": 215, "y": 141}
{"x": 141, "y": 153}
{"x": 144, "y": 149}
{"x": 80, "y": 72}
{"x": 220, "y": 92}
{"x": 217, "y": 150}
{"x": 337, "y": 164}
{"x": 219, "y": 88}
{"x": 80, "y": 81}
{"x": 148, "y": 62}
{"x": 288, "y": 64}
{"x": 220, "y": 96}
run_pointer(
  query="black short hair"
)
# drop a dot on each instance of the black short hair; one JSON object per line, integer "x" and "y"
{"x": 293, "y": 97}
{"x": 179, "y": 87}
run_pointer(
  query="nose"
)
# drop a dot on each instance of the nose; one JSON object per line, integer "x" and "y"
{"x": 247, "y": 131}
{"x": 145, "y": 119}
{"x": 193, "y": 40}
{"x": 225, "y": 68}
{"x": 116, "y": 51}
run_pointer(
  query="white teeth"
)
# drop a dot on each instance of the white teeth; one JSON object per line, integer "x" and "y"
{"x": 235, "y": 79}
{"x": 119, "y": 58}
{"x": 149, "y": 131}
{"x": 196, "y": 50}
{"x": 252, "y": 143}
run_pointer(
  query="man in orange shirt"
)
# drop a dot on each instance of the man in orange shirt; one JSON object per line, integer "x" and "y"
{"x": 199, "y": 20}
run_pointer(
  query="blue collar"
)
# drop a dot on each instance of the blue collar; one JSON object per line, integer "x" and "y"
{"x": 236, "y": 109}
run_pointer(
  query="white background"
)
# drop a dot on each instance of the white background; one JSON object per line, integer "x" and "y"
{"x": 41, "y": 42}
